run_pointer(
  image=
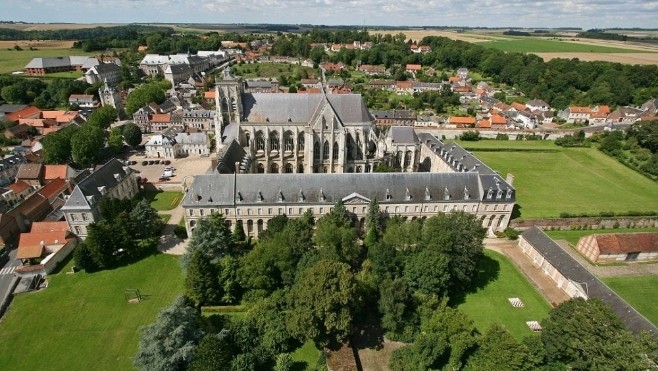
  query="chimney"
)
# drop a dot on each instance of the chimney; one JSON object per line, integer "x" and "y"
{"x": 510, "y": 179}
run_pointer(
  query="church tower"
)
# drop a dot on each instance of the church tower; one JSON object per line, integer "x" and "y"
{"x": 228, "y": 102}
{"x": 110, "y": 96}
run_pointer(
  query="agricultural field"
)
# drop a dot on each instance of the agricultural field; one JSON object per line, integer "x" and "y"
{"x": 573, "y": 236}
{"x": 550, "y": 179}
{"x": 497, "y": 281}
{"x": 639, "y": 291}
{"x": 12, "y": 60}
{"x": 536, "y": 45}
{"x": 628, "y": 58}
{"x": 83, "y": 321}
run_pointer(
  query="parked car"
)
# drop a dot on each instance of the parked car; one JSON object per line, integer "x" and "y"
{"x": 133, "y": 162}
{"x": 167, "y": 173}
{"x": 144, "y": 163}
{"x": 163, "y": 179}
{"x": 151, "y": 162}
{"x": 167, "y": 162}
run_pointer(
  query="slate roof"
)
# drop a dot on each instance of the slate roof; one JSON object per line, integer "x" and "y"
{"x": 49, "y": 62}
{"x": 8, "y": 108}
{"x": 403, "y": 134}
{"x": 594, "y": 288}
{"x": 88, "y": 192}
{"x": 191, "y": 138}
{"x": 218, "y": 189}
{"x": 300, "y": 108}
{"x": 29, "y": 171}
{"x": 229, "y": 156}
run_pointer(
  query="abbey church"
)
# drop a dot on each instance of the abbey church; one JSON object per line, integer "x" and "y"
{"x": 289, "y": 153}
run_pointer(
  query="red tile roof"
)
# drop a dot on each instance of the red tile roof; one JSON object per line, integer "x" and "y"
{"x": 49, "y": 227}
{"x": 28, "y": 112}
{"x": 55, "y": 171}
{"x": 209, "y": 94}
{"x": 161, "y": 117}
{"x": 462, "y": 120}
{"x": 18, "y": 187}
{"x": 31, "y": 245}
{"x": 576, "y": 109}
{"x": 620, "y": 243}
{"x": 413, "y": 67}
{"x": 53, "y": 189}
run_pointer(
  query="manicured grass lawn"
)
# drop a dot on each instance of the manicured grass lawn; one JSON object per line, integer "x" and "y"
{"x": 499, "y": 280}
{"x": 573, "y": 180}
{"x": 267, "y": 70}
{"x": 83, "y": 322}
{"x": 639, "y": 291}
{"x": 534, "y": 45}
{"x": 165, "y": 217}
{"x": 13, "y": 60}
{"x": 306, "y": 357}
{"x": 573, "y": 236}
{"x": 165, "y": 200}
{"x": 65, "y": 75}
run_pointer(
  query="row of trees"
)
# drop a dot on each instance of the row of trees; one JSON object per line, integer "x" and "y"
{"x": 45, "y": 95}
{"x": 637, "y": 148}
{"x": 127, "y": 230}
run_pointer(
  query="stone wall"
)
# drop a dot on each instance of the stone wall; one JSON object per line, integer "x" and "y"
{"x": 590, "y": 223}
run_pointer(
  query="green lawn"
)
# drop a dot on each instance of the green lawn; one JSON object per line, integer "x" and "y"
{"x": 163, "y": 200}
{"x": 573, "y": 236}
{"x": 574, "y": 180}
{"x": 489, "y": 303}
{"x": 639, "y": 291}
{"x": 268, "y": 70}
{"x": 165, "y": 218}
{"x": 535, "y": 45}
{"x": 65, "y": 75}
{"x": 83, "y": 322}
{"x": 306, "y": 357}
{"x": 13, "y": 60}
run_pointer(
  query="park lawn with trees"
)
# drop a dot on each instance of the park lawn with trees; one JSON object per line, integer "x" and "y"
{"x": 572, "y": 236}
{"x": 498, "y": 280}
{"x": 639, "y": 291}
{"x": 572, "y": 180}
{"x": 537, "y": 45}
{"x": 274, "y": 70}
{"x": 83, "y": 321}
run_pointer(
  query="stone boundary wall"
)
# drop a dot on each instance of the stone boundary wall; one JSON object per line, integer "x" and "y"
{"x": 588, "y": 223}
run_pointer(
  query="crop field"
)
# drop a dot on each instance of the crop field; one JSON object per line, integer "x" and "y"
{"x": 83, "y": 321}
{"x": 535, "y": 45}
{"x": 499, "y": 280}
{"x": 639, "y": 291}
{"x": 628, "y": 58}
{"x": 550, "y": 179}
{"x": 15, "y": 60}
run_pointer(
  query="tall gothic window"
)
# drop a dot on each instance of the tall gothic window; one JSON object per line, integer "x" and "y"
{"x": 350, "y": 147}
{"x": 407, "y": 159}
{"x": 288, "y": 168}
{"x": 300, "y": 141}
{"x": 288, "y": 141}
{"x": 325, "y": 150}
{"x": 275, "y": 144}
{"x": 260, "y": 141}
{"x": 335, "y": 153}
{"x": 316, "y": 151}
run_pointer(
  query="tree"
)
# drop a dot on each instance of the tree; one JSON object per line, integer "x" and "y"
{"x": 115, "y": 141}
{"x": 374, "y": 218}
{"x": 284, "y": 362}
{"x": 238, "y": 233}
{"x": 146, "y": 220}
{"x": 228, "y": 279}
{"x": 86, "y": 145}
{"x": 397, "y": 309}
{"x": 498, "y": 350}
{"x": 335, "y": 237}
{"x": 212, "y": 237}
{"x": 132, "y": 134}
{"x": 213, "y": 353}
{"x": 458, "y": 235}
{"x": 169, "y": 343}
{"x": 103, "y": 117}
{"x": 83, "y": 258}
{"x": 586, "y": 334}
{"x": 100, "y": 244}
{"x": 57, "y": 146}
{"x": 428, "y": 271}
{"x": 202, "y": 280}
{"x": 145, "y": 94}
{"x": 321, "y": 303}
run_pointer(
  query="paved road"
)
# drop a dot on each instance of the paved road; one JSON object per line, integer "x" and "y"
{"x": 7, "y": 272}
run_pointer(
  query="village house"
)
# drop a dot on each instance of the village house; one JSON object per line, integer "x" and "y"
{"x": 107, "y": 73}
{"x": 43, "y": 66}
{"x": 461, "y": 122}
{"x": 311, "y": 83}
{"x": 199, "y": 119}
{"x": 537, "y": 104}
{"x": 413, "y": 68}
{"x": 371, "y": 70}
{"x": 382, "y": 84}
{"x": 83, "y": 101}
{"x": 41, "y": 249}
{"x": 625, "y": 115}
{"x": 31, "y": 174}
{"x": 394, "y": 117}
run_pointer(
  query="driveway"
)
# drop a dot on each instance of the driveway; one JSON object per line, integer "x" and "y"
{"x": 185, "y": 168}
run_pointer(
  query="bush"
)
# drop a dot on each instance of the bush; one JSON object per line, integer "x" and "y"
{"x": 471, "y": 136}
{"x": 511, "y": 233}
{"x": 180, "y": 232}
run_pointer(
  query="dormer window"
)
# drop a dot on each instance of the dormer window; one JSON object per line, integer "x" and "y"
{"x": 322, "y": 196}
{"x": 259, "y": 197}
{"x": 446, "y": 193}
{"x": 407, "y": 195}
{"x": 300, "y": 196}
{"x": 388, "y": 195}
{"x": 509, "y": 193}
{"x": 102, "y": 190}
{"x": 489, "y": 194}
{"x": 499, "y": 194}
{"x": 428, "y": 196}
{"x": 466, "y": 194}
{"x": 280, "y": 196}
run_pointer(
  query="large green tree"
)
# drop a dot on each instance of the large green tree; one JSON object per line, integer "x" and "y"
{"x": 587, "y": 335}
{"x": 103, "y": 117}
{"x": 169, "y": 343}
{"x": 212, "y": 236}
{"x": 145, "y": 94}
{"x": 428, "y": 271}
{"x": 322, "y": 302}
{"x": 57, "y": 146}
{"x": 335, "y": 237}
{"x": 147, "y": 223}
{"x": 86, "y": 144}
{"x": 202, "y": 280}
{"x": 498, "y": 350}
{"x": 459, "y": 236}
{"x": 214, "y": 352}
{"x": 132, "y": 134}
{"x": 115, "y": 140}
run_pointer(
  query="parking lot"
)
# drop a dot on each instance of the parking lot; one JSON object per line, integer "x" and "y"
{"x": 185, "y": 168}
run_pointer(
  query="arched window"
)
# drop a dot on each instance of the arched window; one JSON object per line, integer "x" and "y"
{"x": 325, "y": 151}
{"x": 398, "y": 158}
{"x": 407, "y": 159}
{"x": 367, "y": 168}
{"x": 274, "y": 168}
{"x": 300, "y": 168}
{"x": 359, "y": 169}
{"x": 300, "y": 141}
{"x": 316, "y": 151}
{"x": 288, "y": 141}
{"x": 350, "y": 170}
{"x": 260, "y": 169}
{"x": 349, "y": 147}
{"x": 288, "y": 168}
{"x": 260, "y": 141}
{"x": 335, "y": 152}
{"x": 247, "y": 136}
{"x": 275, "y": 144}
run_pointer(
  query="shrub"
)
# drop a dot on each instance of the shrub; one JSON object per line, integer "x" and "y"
{"x": 511, "y": 233}
{"x": 180, "y": 232}
{"x": 471, "y": 136}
